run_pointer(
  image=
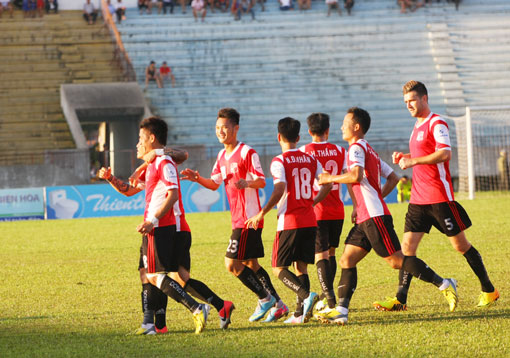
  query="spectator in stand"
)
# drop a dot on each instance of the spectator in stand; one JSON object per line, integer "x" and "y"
{"x": 89, "y": 12}
{"x": 5, "y": 5}
{"x": 286, "y": 5}
{"x": 29, "y": 8}
{"x": 348, "y": 4}
{"x": 152, "y": 75}
{"x": 333, "y": 5}
{"x": 168, "y": 3}
{"x": 51, "y": 4}
{"x": 40, "y": 7}
{"x": 304, "y": 4}
{"x": 165, "y": 72}
{"x": 120, "y": 11}
{"x": 240, "y": 7}
{"x": 199, "y": 9}
{"x": 222, "y": 5}
{"x": 145, "y": 4}
{"x": 412, "y": 5}
{"x": 111, "y": 8}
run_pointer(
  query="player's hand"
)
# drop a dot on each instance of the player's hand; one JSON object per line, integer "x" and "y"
{"x": 145, "y": 227}
{"x": 396, "y": 156}
{"x": 149, "y": 157}
{"x": 191, "y": 175}
{"x": 405, "y": 163}
{"x": 241, "y": 184}
{"x": 104, "y": 173}
{"x": 253, "y": 222}
{"x": 324, "y": 178}
{"x": 354, "y": 215}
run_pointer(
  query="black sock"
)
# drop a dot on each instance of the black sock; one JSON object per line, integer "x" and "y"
{"x": 265, "y": 280}
{"x": 172, "y": 289}
{"x": 419, "y": 269}
{"x": 332, "y": 269}
{"x": 347, "y": 286}
{"x": 160, "y": 308}
{"x": 200, "y": 290}
{"x": 291, "y": 281}
{"x": 475, "y": 261}
{"x": 324, "y": 274}
{"x": 248, "y": 278}
{"x": 305, "y": 282}
{"x": 404, "y": 281}
{"x": 148, "y": 313}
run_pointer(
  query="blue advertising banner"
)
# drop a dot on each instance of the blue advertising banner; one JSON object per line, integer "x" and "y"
{"x": 21, "y": 204}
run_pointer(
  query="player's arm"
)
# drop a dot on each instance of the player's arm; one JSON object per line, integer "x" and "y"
{"x": 439, "y": 156}
{"x": 278, "y": 190}
{"x": 355, "y": 175}
{"x": 122, "y": 187}
{"x": 194, "y": 176}
{"x": 179, "y": 156}
{"x": 354, "y": 213}
{"x": 170, "y": 200}
{"x": 323, "y": 192}
{"x": 390, "y": 184}
{"x": 258, "y": 183}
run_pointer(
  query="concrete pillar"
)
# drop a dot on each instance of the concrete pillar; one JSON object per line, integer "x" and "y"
{"x": 123, "y": 139}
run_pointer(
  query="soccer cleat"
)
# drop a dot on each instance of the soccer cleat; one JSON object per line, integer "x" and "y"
{"x": 200, "y": 318}
{"x": 146, "y": 329}
{"x": 225, "y": 314}
{"x": 295, "y": 320}
{"x": 308, "y": 305}
{"x": 390, "y": 304}
{"x": 321, "y": 304}
{"x": 450, "y": 294}
{"x": 276, "y": 313}
{"x": 331, "y": 315}
{"x": 488, "y": 298}
{"x": 162, "y": 330}
{"x": 261, "y": 310}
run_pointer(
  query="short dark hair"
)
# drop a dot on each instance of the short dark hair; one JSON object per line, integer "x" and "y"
{"x": 415, "y": 86}
{"x": 318, "y": 123}
{"x": 360, "y": 116}
{"x": 229, "y": 113}
{"x": 152, "y": 62}
{"x": 289, "y": 129}
{"x": 156, "y": 126}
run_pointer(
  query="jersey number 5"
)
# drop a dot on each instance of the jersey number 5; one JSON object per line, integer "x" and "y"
{"x": 302, "y": 183}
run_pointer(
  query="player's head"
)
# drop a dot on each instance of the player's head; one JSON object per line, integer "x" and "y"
{"x": 416, "y": 98}
{"x": 164, "y": 63}
{"x": 288, "y": 130}
{"x": 360, "y": 120}
{"x": 153, "y": 133}
{"x": 227, "y": 126}
{"x": 318, "y": 123}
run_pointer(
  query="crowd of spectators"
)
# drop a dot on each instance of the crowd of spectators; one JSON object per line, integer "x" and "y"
{"x": 30, "y": 8}
{"x": 413, "y": 5}
{"x": 164, "y": 73}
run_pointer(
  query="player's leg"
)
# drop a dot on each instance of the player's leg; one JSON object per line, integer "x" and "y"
{"x": 328, "y": 233}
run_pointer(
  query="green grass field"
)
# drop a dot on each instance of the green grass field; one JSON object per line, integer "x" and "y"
{"x": 70, "y": 288}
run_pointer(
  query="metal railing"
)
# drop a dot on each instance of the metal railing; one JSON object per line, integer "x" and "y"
{"x": 120, "y": 54}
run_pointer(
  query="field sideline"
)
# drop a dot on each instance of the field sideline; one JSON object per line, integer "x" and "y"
{"x": 71, "y": 289}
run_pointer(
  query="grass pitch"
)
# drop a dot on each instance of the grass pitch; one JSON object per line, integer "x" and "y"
{"x": 70, "y": 288}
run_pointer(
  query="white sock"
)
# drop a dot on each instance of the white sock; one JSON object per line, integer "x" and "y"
{"x": 444, "y": 285}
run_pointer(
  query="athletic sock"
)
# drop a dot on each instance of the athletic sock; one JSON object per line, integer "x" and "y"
{"x": 200, "y": 290}
{"x": 305, "y": 282}
{"x": 172, "y": 289}
{"x": 294, "y": 283}
{"x": 475, "y": 261}
{"x": 419, "y": 269}
{"x": 404, "y": 282}
{"x": 332, "y": 269}
{"x": 265, "y": 281}
{"x": 160, "y": 309}
{"x": 347, "y": 286}
{"x": 248, "y": 278}
{"x": 324, "y": 274}
{"x": 148, "y": 313}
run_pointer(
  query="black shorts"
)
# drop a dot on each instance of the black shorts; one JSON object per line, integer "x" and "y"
{"x": 377, "y": 233}
{"x": 294, "y": 245}
{"x": 245, "y": 244}
{"x": 328, "y": 234}
{"x": 160, "y": 250}
{"x": 449, "y": 217}
{"x": 184, "y": 245}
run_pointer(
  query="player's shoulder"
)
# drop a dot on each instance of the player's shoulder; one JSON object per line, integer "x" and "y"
{"x": 436, "y": 119}
{"x": 246, "y": 150}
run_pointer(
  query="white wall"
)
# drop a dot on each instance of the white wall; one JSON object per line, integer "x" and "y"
{"x": 78, "y": 4}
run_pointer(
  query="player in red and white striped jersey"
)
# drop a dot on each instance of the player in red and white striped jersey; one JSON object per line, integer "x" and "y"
{"x": 374, "y": 224}
{"x": 238, "y": 166}
{"x": 432, "y": 202}
{"x": 294, "y": 173}
{"x": 330, "y": 211}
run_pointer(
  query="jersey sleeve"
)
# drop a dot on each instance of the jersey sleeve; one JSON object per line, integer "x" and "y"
{"x": 278, "y": 171}
{"x": 216, "y": 173}
{"x": 386, "y": 170}
{"x": 356, "y": 156}
{"x": 254, "y": 166}
{"x": 341, "y": 150}
{"x": 319, "y": 170}
{"x": 168, "y": 175}
{"x": 441, "y": 136}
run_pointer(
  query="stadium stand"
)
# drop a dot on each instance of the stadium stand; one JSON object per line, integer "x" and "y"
{"x": 36, "y": 57}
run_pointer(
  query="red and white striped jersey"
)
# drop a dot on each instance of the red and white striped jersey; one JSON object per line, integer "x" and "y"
{"x": 180, "y": 217}
{"x": 242, "y": 163}
{"x": 160, "y": 176}
{"x": 332, "y": 159}
{"x": 368, "y": 194}
{"x": 298, "y": 171}
{"x": 431, "y": 182}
